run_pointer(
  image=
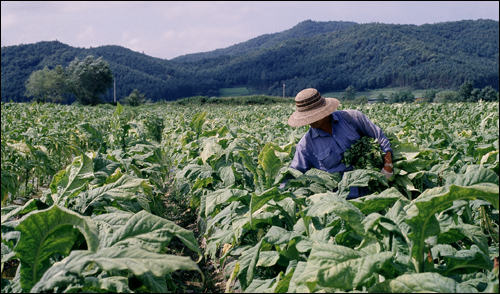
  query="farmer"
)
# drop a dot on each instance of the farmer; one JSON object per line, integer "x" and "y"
{"x": 331, "y": 134}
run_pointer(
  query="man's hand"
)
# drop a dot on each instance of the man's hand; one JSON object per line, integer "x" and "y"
{"x": 388, "y": 162}
{"x": 387, "y": 175}
{"x": 387, "y": 169}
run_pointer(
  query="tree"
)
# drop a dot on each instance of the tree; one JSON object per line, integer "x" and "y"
{"x": 488, "y": 94}
{"x": 474, "y": 95}
{"x": 361, "y": 100}
{"x": 135, "y": 98}
{"x": 35, "y": 85}
{"x": 381, "y": 98}
{"x": 47, "y": 85}
{"x": 430, "y": 95}
{"x": 350, "y": 93}
{"x": 393, "y": 98}
{"x": 465, "y": 91}
{"x": 446, "y": 96}
{"x": 406, "y": 97}
{"x": 89, "y": 79}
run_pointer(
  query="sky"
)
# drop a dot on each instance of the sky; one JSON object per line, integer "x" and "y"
{"x": 173, "y": 28}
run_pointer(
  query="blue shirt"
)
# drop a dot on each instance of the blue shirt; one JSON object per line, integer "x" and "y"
{"x": 323, "y": 151}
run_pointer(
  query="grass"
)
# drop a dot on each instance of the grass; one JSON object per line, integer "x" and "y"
{"x": 376, "y": 92}
{"x": 243, "y": 91}
{"x": 232, "y": 92}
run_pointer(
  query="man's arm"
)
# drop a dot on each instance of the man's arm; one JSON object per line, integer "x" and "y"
{"x": 388, "y": 161}
{"x": 364, "y": 125}
{"x": 368, "y": 128}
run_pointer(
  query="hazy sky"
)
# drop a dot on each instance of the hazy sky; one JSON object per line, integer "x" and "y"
{"x": 170, "y": 29}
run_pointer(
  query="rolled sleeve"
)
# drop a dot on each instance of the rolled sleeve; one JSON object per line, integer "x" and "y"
{"x": 300, "y": 161}
{"x": 368, "y": 128}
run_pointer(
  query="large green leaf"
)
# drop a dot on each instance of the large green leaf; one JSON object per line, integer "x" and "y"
{"x": 467, "y": 261}
{"x": 334, "y": 266}
{"x": 197, "y": 122}
{"x": 46, "y": 232}
{"x": 421, "y": 213}
{"x": 125, "y": 188}
{"x": 67, "y": 184}
{"x": 247, "y": 264}
{"x": 360, "y": 178}
{"x": 221, "y": 196}
{"x": 150, "y": 232}
{"x": 103, "y": 168}
{"x": 331, "y": 203}
{"x": 257, "y": 201}
{"x": 423, "y": 282}
{"x": 270, "y": 163}
{"x": 377, "y": 202}
{"x": 133, "y": 259}
{"x": 211, "y": 150}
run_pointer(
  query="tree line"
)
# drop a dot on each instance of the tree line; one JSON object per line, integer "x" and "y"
{"x": 85, "y": 79}
{"x": 366, "y": 56}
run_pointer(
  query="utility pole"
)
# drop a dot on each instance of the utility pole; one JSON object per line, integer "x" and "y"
{"x": 114, "y": 88}
{"x": 283, "y": 90}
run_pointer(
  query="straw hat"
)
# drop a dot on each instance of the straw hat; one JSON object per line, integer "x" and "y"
{"x": 311, "y": 107}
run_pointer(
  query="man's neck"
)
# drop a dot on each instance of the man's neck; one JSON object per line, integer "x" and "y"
{"x": 327, "y": 126}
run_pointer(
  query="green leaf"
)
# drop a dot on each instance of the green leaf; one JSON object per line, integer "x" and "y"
{"x": 373, "y": 203}
{"x": 257, "y": 201}
{"x": 335, "y": 266}
{"x": 197, "y": 122}
{"x": 70, "y": 183}
{"x": 111, "y": 284}
{"x": 211, "y": 150}
{"x": 227, "y": 175}
{"x": 468, "y": 261}
{"x": 332, "y": 203}
{"x": 103, "y": 169}
{"x": 421, "y": 212}
{"x": 150, "y": 232}
{"x": 270, "y": 163}
{"x": 133, "y": 259}
{"x": 423, "y": 282}
{"x": 279, "y": 236}
{"x": 119, "y": 109}
{"x": 268, "y": 258}
{"x": 360, "y": 178}
{"x": 46, "y": 232}
{"x": 31, "y": 205}
{"x": 248, "y": 262}
{"x": 125, "y": 188}
{"x": 222, "y": 196}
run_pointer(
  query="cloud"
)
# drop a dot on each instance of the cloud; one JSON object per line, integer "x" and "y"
{"x": 87, "y": 35}
{"x": 168, "y": 29}
{"x": 8, "y": 20}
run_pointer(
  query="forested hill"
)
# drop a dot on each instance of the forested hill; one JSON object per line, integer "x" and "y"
{"x": 304, "y": 29}
{"x": 326, "y": 55}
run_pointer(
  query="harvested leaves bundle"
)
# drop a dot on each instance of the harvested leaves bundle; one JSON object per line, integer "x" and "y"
{"x": 364, "y": 154}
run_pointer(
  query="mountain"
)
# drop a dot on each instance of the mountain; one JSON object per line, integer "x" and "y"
{"x": 329, "y": 56}
{"x": 307, "y": 28}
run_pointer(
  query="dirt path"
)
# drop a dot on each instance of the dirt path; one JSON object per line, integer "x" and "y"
{"x": 191, "y": 281}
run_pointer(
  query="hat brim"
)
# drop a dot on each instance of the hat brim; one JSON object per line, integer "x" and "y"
{"x": 298, "y": 119}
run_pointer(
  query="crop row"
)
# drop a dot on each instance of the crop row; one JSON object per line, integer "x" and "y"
{"x": 433, "y": 226}
{"x": 424, "y": 229}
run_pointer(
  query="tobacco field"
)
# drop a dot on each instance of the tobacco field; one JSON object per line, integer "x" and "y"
{"x": 83, "y": 193}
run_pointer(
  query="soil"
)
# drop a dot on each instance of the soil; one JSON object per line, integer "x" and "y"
{"x": 191, "y": 281}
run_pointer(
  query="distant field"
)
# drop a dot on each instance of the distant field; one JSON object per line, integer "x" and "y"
{"x": 242, "y": 91}
{"x": 375, "y": 93}
{"x": 233, "y": 92}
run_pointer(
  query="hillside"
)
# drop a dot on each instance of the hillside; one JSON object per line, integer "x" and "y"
{"x": 327, "y": 55}
{"x": 304, "y": 29}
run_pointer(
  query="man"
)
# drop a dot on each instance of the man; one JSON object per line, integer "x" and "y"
{"x": 331, "y": 134}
